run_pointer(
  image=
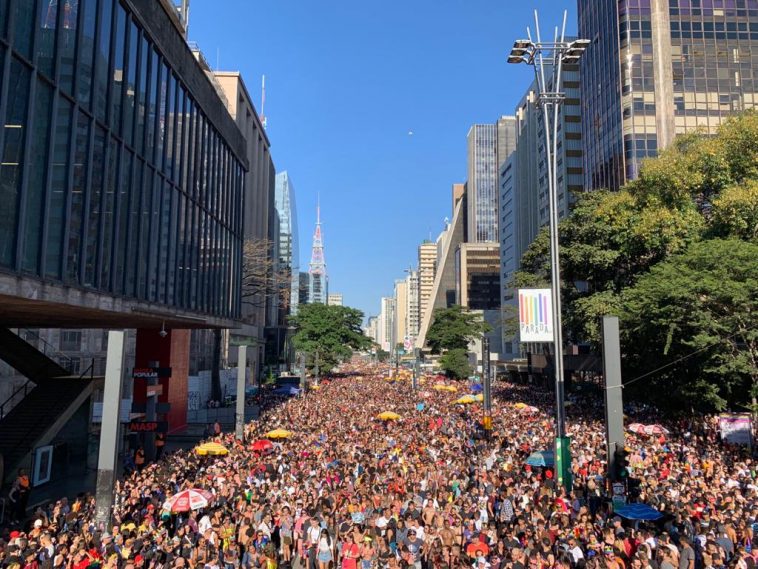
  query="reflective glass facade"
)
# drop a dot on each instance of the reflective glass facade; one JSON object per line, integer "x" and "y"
{"x": 289, "y": 250}
{"x": 657, "y": 68}
{"x": 112, "y": 178}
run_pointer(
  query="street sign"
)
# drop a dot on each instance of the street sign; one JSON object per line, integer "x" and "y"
{"x": 535, "y": 315}
{"x": 151, "y": 372}
{"x": 148, "y": 426}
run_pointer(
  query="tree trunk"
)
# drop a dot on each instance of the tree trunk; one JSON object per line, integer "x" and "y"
{"x": 215, "y": 366}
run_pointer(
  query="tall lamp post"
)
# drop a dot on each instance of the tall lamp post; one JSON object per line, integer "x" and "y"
{"x": 548, "y": 59}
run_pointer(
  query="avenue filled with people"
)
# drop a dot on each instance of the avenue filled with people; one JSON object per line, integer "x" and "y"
{"x": 364, "y": 472}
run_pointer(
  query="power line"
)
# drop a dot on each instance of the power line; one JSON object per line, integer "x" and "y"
{"x": 676, "y": 361}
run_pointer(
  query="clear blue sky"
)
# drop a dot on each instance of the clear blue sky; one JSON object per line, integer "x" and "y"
{"x": 346, "y": 80}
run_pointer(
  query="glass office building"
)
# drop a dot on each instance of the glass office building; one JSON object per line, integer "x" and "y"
{"x": 658, "y": 68}
{"x": 489, "y": 145}
{"x": 289, "y": 250}
{"x": 113, "y": 176}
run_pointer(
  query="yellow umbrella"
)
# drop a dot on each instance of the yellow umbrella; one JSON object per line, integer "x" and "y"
{"x": 315, "y": 387}
{"x": 520, "y": 405}
{"x": 388, "y": 416}
{"x": 439, "y": 387}
{"x": 479, "y": 397}
{"x": 452, "y": 388}
{"x": 465, "y": 400}
{"x": 278, "y": 434}
{"x": 213, "y": 449}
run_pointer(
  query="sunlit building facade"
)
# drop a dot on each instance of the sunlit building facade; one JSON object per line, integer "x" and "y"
{"x": 658, "y": 68}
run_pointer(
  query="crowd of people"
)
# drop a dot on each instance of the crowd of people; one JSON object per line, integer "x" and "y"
{"x": 429, "y": 490}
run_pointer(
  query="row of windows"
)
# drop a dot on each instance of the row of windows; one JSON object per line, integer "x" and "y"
{"x": 112, "y": 177}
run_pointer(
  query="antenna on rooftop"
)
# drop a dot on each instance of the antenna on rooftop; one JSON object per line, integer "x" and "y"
{"x": 264, "y": 122}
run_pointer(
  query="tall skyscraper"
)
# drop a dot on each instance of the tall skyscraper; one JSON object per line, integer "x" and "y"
{"x": 658, "y": 68}
{"x": 318, "y": 281}
{"x": 401, "y": 310}
{"x": 289, "y": 255}
{"x": 427, "y": 264}
{"x": 412, "y": 306}
{"x": 488, "y": 147}
{"x": 334, "y": 299}
{"x": 385, "y": 336}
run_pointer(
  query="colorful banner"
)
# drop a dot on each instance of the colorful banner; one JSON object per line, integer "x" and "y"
{"x": 535, "y": 307}
{"x": 736, "y": 428}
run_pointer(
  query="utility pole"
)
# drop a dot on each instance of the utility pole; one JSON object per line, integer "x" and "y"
{"x": 316, "y": 369}
{"x": 486, "y": 384}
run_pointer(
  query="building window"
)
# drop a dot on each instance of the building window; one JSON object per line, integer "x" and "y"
{"x": 70, "y": 341}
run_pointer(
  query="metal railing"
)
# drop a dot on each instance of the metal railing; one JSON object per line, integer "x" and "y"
{"x": 14, "y": 398}
{"x": 66, "y": 362}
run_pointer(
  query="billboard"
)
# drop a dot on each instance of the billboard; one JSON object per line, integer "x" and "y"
{"x": 535, "y": 315}
{"x": 736, "y": 428}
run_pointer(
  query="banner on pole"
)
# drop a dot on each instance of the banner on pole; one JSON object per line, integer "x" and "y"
{"x": 535, "y": 308}
{"x": 736, "y": 428}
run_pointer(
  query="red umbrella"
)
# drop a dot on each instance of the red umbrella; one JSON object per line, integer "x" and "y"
{"x": 263, "y": 445}
{"x": 186, "y": 500}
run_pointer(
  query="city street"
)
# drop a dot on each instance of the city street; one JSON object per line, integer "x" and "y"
{"x": 421, "y": 487}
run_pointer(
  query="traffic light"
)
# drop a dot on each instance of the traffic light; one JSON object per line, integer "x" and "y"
{"x": 620, "y": 463}
{"x": 634, "y": 489}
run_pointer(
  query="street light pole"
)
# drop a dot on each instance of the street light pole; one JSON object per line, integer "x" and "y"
{"x": 548, "y": 58}
{"x": 487, "y": 386}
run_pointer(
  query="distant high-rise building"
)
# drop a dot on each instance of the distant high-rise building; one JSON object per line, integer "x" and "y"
{"x": 385, "y": 335}
{"x": 412, "y": 309}
{"x": 488, "y": 147}
{"x": 289, "y": 256}
{"x": 656, "y": 69}
{"x": 334, "y": 299}
{"x": 427, "y": 264}
{"x": 401, "y": 311}
{"x": 372, "y": 328}
{"x": 318, "y": 283}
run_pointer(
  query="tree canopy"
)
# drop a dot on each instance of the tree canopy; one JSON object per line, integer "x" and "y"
{"x": 328, "y": 334}
{"x": 697, "y": 198}
{"x": 454, "y": 328}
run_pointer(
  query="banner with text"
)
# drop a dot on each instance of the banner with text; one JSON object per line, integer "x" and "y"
{"x": 535, "y": 308}
{"x": 736, "y": 428}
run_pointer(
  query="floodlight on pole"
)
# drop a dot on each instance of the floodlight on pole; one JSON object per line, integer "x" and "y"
{"x": 548, "y": 59}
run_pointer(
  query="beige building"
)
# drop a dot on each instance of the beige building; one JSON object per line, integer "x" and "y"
{"x": 427, "y": 266}
{"x": 334, "y": 299}
{"x": 259, "y": 203}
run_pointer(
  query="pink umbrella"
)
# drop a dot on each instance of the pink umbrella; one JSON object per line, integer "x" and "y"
{"x": 656, "y": 430}
{"x": 186, "y": 500}
{"x": 637, "y": 428}
{"x": 528, "y": 410}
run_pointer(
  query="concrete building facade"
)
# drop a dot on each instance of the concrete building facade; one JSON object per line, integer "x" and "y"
{"x": 401, "y": 310}
{"x": 334, "y": 299}
{"x": 427, "y": 266}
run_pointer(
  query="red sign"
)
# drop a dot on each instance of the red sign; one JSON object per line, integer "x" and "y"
{"x": 148, "y": 426}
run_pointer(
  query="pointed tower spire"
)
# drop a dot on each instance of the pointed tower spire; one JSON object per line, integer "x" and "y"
{"x": 317, "y": 277}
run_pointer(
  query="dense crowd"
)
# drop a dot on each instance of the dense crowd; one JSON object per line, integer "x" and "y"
{"x": 426, "y": 491}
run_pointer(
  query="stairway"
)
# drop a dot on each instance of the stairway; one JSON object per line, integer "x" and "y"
{"x": 26, "y": 359}
{"x": 36, "y": 419}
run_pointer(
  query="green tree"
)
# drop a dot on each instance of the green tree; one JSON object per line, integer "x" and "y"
{"x": 455, "y": 363}
{"x": 381, "y": 355}
{"x": 453, "y": 328}
{"x": 735, "y": 212}
{"x": 695, "y": 313}
{"x": 328, "y": 333}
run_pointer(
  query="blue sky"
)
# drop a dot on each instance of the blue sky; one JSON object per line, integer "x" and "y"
{"x": 346, "y": 80}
